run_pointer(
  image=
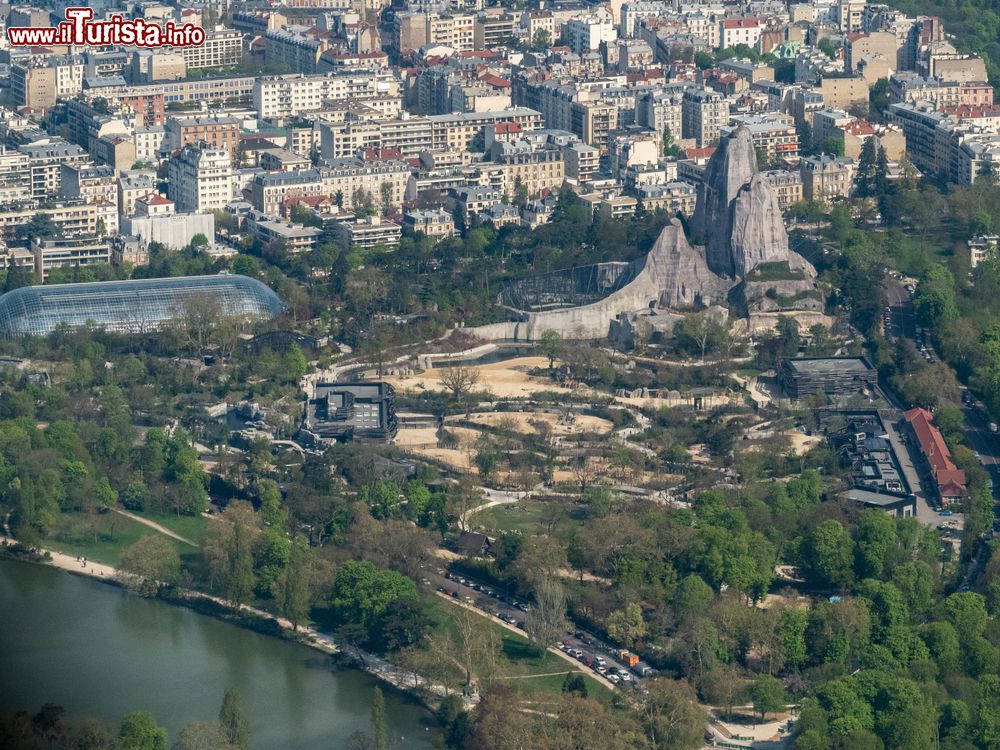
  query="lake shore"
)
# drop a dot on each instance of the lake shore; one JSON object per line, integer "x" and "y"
{"x": 252, "y": 618}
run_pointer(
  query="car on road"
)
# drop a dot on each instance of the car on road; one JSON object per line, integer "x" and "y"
{"x": 945, "y": 513}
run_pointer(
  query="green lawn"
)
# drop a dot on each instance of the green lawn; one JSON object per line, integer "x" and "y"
{"x": 189, "y": 527}
{"x": 520, "y": 660}
{"x": 525, "y": 517}
{"x": 101, "y": 537}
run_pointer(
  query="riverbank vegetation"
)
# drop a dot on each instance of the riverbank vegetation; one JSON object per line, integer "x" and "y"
{"x": 51, "y": 728}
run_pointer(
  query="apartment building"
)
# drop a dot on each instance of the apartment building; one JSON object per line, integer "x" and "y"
{"x": 734, "y": 31}
{"x": 492, "y": 30}
{"x": 89, "y": 183}
{"x": 661, "y": 111}
{"x": 45, "y": 158}
{"x": 849, "y": 15}
{"x": 368, "y": 233}
{"x": 825, "y": 177}
{"x": 218, "y": 132}
{"x": 772, "y": 133}
{"x": 582, "y": 161}
{"x": 291, "y": 95}
{"x": 298, "y": 47}
{"x": 71, "y": 218}
{"x": 672, "y": 197}
{"x": 585, "y": 33}
{"x": 37, "y": 82}
{"x": 152, "y": 65}
{"x": 350, "y": 177}
{"x": 222, "y": 48}
{"x": 787, "y": 185}
{"x": 200, "y": 178}
{"x": 704, "y": 114}
{"x": 132, "y": 186}
{"x": 69, "y": 252}
{"x": 15, "y": 176}
{"x": 455, "y": 132}
{"x": 413, "y": 30}
{"x": 269, "y": 191}
{"x": 434, "y": 222}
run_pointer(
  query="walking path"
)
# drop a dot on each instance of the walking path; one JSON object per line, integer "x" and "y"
{"x": 156, "y": 526}
{"x": 565, "y": 657}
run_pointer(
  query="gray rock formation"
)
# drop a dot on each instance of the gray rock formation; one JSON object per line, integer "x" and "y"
{"x": 681, "y": 272}
{"x": 732, "y": 166}
{"x": 738, "y": 216}
{"x": 757, "y": 231}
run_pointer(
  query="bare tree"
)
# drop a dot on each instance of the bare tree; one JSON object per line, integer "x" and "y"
{"x": 545, "y": 623}
{"x": 460, "y": 381}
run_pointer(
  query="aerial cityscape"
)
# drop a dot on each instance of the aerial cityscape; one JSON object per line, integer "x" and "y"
{"x": 499, "y": 375}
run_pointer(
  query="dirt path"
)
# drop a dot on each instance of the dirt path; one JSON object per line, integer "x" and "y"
{"x": 155, "y": 526}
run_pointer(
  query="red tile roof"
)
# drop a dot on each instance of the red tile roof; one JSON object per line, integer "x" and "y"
{"x": 949, "y": 478}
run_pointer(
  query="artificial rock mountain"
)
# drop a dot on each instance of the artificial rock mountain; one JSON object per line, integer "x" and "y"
{"x": 744, "y": 262}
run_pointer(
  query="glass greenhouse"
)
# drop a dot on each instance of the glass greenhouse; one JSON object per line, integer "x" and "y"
{"x": 133, "y": 306}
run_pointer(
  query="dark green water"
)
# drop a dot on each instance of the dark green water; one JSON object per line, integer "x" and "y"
{"x": 100, "y": 653}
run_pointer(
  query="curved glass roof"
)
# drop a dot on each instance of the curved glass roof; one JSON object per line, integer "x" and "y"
{"x": 132, "y": 306}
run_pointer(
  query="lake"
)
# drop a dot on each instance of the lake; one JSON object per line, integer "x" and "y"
{"x": 101, "y": 653}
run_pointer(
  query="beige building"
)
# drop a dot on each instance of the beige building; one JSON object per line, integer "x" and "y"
{"x": 73, "y": 252}
{"x": 45, "y": 158}
{"x": 91, "y": 184}
{"x": 200, "y": 178}
{"x": 15, "y": 176}
{"x": 455, "y": 132}
{"x": 217, "y": 132}
{"x": 368, "y": 233}
{"x": 826, "y": 177}
{"x": 841, "y": 93}
{"x": 787, "y": 185}
{"x": 149, "y": 66}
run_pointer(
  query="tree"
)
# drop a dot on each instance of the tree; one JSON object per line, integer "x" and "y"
{"x": 234, "y": 721}
{"x": 670, "y": 716}
{"x": 540, "y": 40}
{"x": 380, "y": 725}
{"x": 768, "y": 695}
{"x": 294, "y": 588}
{"x": 627, "y": 625}
{"x": 150, "y": 563}
{"x": 139, "y": 731}
{"x": 460, "y": 381}
{"x": 827, "y": 558}
{"x": 362, "y": 593}
{"x": 385, "y": 192}
{"x": 545, "y": 622}
{"x": 228, "y": 551}
{"x": 202, "y": 735}
{"x": 550, "y": 345}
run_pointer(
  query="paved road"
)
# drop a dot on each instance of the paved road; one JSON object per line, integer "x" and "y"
{"x": 511, "y": 610}
{"x": 902, "y": 324}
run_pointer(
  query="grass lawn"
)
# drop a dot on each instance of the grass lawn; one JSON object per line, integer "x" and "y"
{"x": 520, "y": 661}
{"x": 525, "y": 517}
{"x": 189, "y": 527}
{"x": 101, "y": 537}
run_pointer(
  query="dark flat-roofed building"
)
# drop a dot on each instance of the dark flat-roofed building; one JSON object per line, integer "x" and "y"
{"x": 900, "y": 505}
{"x": 351, "y": 411}
{"x": 834, "y": 376}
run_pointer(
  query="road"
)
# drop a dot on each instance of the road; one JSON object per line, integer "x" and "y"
{"x": 902, "y": 324}
{"x": 511, "y": 609}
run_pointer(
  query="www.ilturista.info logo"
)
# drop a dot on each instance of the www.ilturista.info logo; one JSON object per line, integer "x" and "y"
{"x": 81, "y": 28}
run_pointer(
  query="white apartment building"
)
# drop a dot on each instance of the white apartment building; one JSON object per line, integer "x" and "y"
{"x": 733, "y": 31}
{"x": 15, "y": 176}
{"x": 222, "y": 47}
{"x": 293, "y": 94}
{"x": 585, "y": 33}
{"x": 200, "y": 178}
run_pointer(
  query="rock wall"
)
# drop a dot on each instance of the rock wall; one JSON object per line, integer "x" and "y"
{"x": 673, "y": 274}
